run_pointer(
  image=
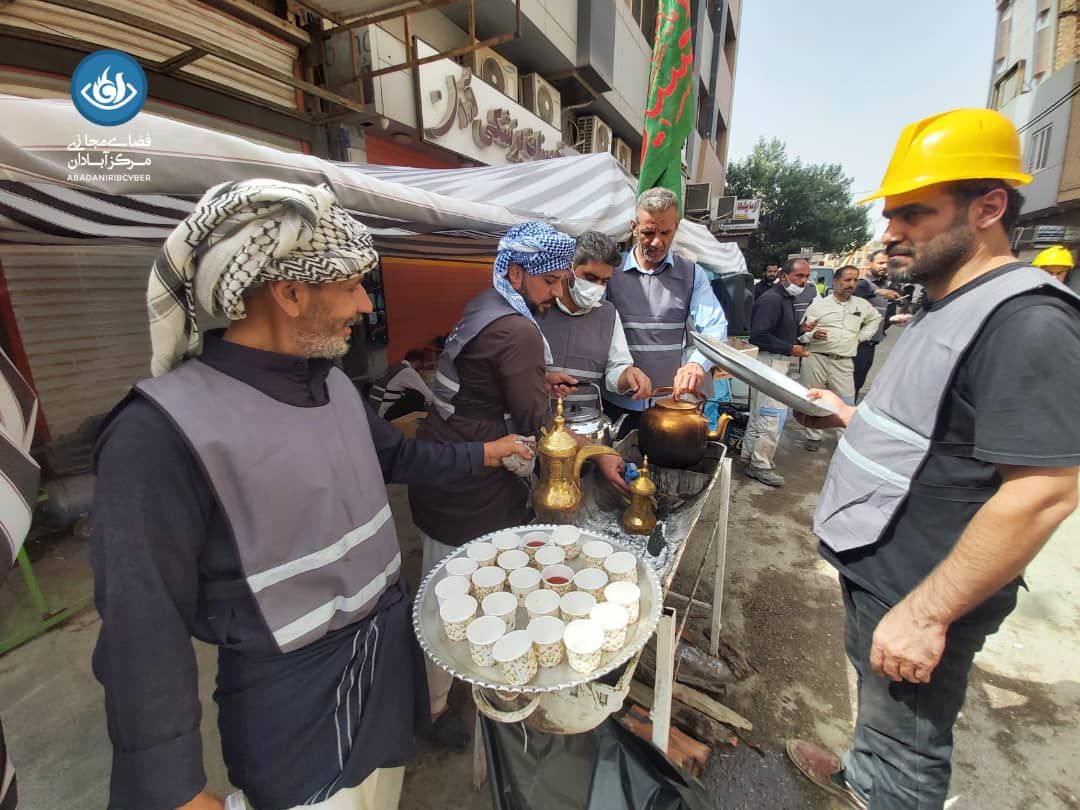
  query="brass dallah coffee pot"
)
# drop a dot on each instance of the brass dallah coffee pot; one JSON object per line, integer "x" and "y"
{"x": 639, "y": 517}
{"x": 557, "y": 497}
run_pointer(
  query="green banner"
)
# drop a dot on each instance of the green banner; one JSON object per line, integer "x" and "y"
{"x": 669, "y": 112}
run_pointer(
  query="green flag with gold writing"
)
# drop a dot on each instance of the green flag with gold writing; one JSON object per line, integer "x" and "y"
{"x": 669, "y": 112}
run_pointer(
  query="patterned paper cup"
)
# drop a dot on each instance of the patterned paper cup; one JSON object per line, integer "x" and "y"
{"x": 512, "y": 560}
{"x": 456, "y": 613}
{"x": 542, "y": 603}
{"x": 461, "y": 567}
{"x": 534, "y": 541}
{"x": 448, "y": 587}
{"x": 488, "y": 580}
{"x": 568, "y": 538}
{"x": 612, "y": 620}
{"x": 549, "y": 555}
{"x": 482, "y": 634}
{"x": 596, "y": 551}
{"x": 483, "y": 553}
{"x": 546, "y": 634}
{"x": 576, "y": 605}
{"x": 501, "y": 604}
{"x": 621, "y": 566}
{"x": 558, "y": 578}
{"x": 506, "y": 541}
{"x": 626, "y": 594}
{"x": 583, "y": 639}
{"x": 514, "y": 655}
{"x": 591, "y": 581}
{"x": 523, "y": 582}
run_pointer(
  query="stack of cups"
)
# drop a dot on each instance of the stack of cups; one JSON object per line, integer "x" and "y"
{"x": 583, "y": 639}
{"x": 568, "y": 538}
{"x": 546, "y": 633}
{"x": 488, "y": 580}
{"x": 542, "y": 603}
{"x": 456, "y": 613}
{"x": 482, "y": 634}
{"x": 524, "y": 581}
{"x": 612, "y": 619}
{"x": 621, "y": 566}
{"x": 626, "y": 594}
{"x": 515, "y": 656}
{"x": 501, "y": 604}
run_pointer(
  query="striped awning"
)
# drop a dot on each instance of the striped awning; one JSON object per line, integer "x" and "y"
{"x": 455, "y": 214}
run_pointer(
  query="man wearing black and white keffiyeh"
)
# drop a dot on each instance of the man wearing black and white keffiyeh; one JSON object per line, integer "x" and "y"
{"x": 241, "y": 500}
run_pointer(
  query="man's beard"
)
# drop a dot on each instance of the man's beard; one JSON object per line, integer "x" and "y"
{"x": 322, "y": 340}
{"x": 937, "y": 259}
{"x": 534, "y": 308}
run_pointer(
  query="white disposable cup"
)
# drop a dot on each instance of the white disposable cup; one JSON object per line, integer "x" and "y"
{"x": 514, "y": 655}
{"x": 501, "y": 604}
{"x": 506, "y": 541}
{"x": 487, "y": 580}
{"x": 591, "y": 581}
{"x": 576, "y": 605}
{"x": 461, "y": 567}
{"x": 449, "y": 587}
{"x": 542, "y": 603}
{"x": 583, "y": 639}
{"x": 612, "y": 620}
{"x": 595, "y": 551}
{"x": 523, "y": 581}
{"x": 533, "y": 541}
{"x": 558, "y": 571}
{"x": 456, "y": 613}
{"x": 546, "y": 633}
{"x": 483, "y": 553}
{"x": 549, "y": 555}
{"x": 621, "y": 566}
{"x": 568, "y": 538}
{"x": 482, "y": 634}
{"x": 512, "y": 560}
{"x": 626, "y": 594}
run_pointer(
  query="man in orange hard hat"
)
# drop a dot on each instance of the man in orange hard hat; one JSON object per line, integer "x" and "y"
{"x": 943, "y": 488}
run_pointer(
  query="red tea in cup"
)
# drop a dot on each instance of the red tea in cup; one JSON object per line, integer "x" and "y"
{"x": 558, "y": 580}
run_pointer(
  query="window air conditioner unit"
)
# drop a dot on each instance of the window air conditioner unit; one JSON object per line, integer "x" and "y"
{"x": 542, "y": 99}
{"x": 624, "y": 154}
{"x": 593, "y": 135}
{"x": 697, "y": 198}
{"x": 724, "y": 208}
{"x": 496, "y": 70}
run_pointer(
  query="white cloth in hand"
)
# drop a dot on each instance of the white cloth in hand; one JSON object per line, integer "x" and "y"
{"x": 519, "y": 466}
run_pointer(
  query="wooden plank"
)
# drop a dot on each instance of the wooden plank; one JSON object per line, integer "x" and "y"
{"x": 713, "y": 708}
{"x": 260, "y": 18}
{"x": 665, "y": 675}
{"x": 697, "y": 725}
{"x": 721, "y": 554}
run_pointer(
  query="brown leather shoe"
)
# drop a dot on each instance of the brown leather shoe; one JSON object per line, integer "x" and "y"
{"x": 824, "y": 769}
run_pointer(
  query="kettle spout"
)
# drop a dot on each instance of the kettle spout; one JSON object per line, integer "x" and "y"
{"x": 721, "y": 427}
{"x": 587, "y": 452}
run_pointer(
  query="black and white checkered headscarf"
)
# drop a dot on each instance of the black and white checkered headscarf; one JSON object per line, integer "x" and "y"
{"x": 240, "y": 234}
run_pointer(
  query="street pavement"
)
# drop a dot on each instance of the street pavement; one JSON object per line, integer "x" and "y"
{"x": 1016, "y": 741}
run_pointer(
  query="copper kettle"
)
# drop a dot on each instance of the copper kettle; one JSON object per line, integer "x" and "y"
{"x": 674, "y": 432}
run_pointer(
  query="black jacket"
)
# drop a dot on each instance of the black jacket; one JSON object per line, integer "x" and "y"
{"x": 773, "y": 327}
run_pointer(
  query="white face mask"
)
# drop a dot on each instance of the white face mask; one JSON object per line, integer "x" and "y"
{"x": 791, "y": 288}
{"x": 586, "y": 294}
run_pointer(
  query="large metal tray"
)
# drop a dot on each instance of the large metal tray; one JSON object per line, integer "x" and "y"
{"x": 760, "y": 376}
{"x": 454, "y": 656}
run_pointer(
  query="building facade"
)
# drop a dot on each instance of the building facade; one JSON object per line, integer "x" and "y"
{"x": 1034, "y": 83}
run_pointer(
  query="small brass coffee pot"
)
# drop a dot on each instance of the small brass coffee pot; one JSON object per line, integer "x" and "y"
{"x": 557, "y": 497}
{"x": 639, "y": 517}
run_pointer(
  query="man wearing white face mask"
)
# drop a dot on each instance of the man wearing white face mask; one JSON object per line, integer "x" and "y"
{"x": 584, "y": 330}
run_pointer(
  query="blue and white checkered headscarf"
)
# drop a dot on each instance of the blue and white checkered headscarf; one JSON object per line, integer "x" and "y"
{"x": 539, "y": 249}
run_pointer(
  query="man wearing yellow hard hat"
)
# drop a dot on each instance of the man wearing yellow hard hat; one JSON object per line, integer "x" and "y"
{"x": 955, "y": 469}
{"x": 1056, "y": 260}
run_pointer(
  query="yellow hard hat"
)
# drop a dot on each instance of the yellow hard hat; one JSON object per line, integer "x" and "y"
{"x": 969, "y": 144}
{"x": 1055, "y": 256}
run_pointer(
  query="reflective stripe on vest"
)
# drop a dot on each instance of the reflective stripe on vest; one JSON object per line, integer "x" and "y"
{"x": 655, "y": 308}
{"x": 379, "y": 394}
{"x": 302, "y": 491}
{"x": 889, "y": 436}
{"x": 579, "y": 346}
{"x": 481, "y": 311}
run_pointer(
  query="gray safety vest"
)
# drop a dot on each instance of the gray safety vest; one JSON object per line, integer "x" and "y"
{"x": 579, "y": 346}
{"x": 655, "y": 308}
{"x": 379, "y": 394}
{"x": 301, "y": 490}
{"x": 481, "y": 311}
{"x": 889, "y": 436}
{"x": 881, "y": 305}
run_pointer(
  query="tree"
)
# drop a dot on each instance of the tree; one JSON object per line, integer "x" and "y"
{"x": 801, "y": 205}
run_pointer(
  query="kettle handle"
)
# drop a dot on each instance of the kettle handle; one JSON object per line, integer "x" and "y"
{"x": 701, "y": 398}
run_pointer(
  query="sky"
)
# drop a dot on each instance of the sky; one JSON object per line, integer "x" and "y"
{"x": 837, "y": 80}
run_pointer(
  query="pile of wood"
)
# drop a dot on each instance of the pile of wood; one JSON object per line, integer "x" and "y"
{"x": 699, "y": 720}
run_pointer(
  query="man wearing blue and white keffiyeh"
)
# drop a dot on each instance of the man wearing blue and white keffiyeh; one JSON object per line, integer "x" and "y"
{"x": 491, "y": 381}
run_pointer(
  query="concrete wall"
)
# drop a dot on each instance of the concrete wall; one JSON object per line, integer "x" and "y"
{"x": 1042, "y": 192}
{"x": 632, "y": 56}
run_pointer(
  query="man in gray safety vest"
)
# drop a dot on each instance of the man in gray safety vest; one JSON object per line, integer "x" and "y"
{"x": 957, "y": 466}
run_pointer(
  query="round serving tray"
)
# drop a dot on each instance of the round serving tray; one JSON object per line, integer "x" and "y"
{"x": 454, "y": 657}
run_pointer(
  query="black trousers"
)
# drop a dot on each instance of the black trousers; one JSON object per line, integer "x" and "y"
{"x": 864, "y": 360}
{"x": 411, "y": 400}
